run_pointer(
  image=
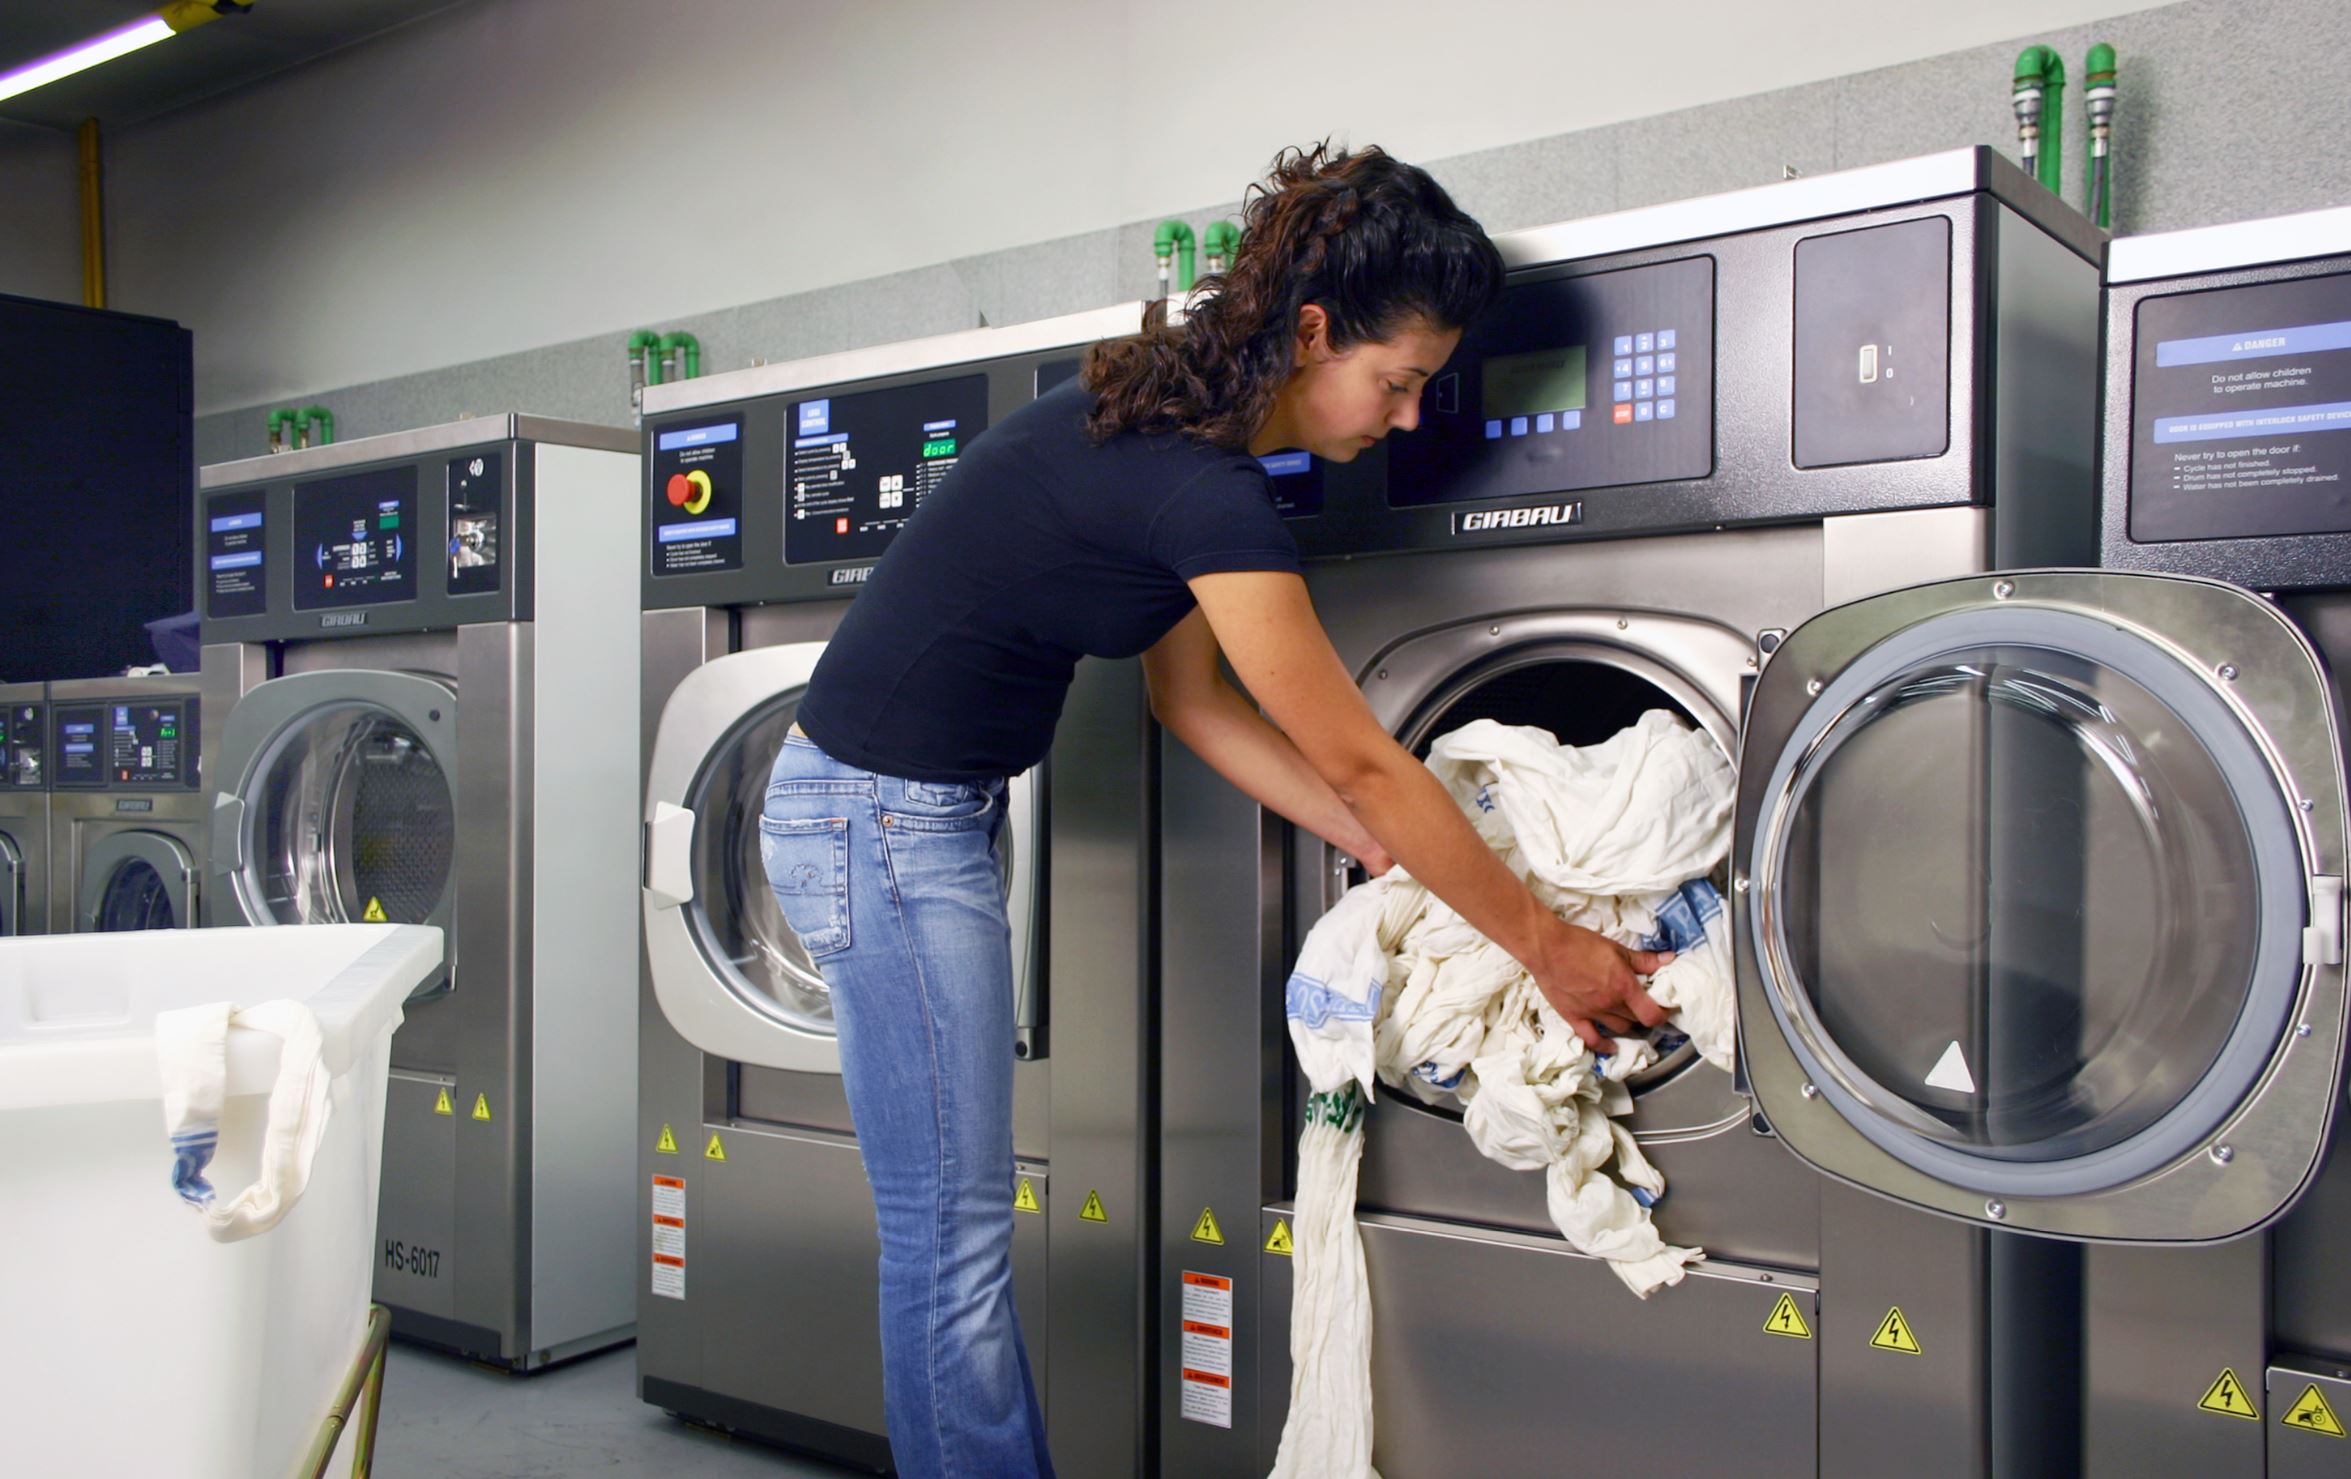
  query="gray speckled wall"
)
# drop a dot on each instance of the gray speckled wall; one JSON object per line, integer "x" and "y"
{"x": 2230, "y": 109}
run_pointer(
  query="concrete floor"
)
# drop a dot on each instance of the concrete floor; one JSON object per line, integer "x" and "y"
{"x": 449, "y": 1419}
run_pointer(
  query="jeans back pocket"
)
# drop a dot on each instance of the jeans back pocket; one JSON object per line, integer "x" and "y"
{"x": 808, "y": 870}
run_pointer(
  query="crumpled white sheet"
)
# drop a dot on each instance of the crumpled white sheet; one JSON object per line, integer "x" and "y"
{"x": 1392, "y": 983}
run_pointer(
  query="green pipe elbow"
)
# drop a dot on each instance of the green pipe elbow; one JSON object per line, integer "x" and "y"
{"x": 2099, "y": 66}
{"x": 2041, "y": 70}
{"x": 281, "y": 428}
{"x": 1221, "y": 241}
{"x": 691, "y": 345}
{"x": 1175, "y": 238}
{"x": 325, "y": 421}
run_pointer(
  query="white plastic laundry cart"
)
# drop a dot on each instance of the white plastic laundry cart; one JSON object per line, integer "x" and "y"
{"x": 134, "y": 1343}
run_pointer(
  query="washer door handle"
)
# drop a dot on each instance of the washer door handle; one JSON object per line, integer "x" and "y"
{"x": 669, "y": 856}
{"x": 228, "y": 834}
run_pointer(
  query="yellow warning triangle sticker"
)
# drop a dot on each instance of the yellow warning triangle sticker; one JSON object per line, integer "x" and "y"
{"x": 1787, "y": 1320}
{"x": 1206, "y": 1230}
{"x": 1279, "y": 1240}
{"x": 442, "y": 1105}
{"x": 1895, "y": 1334}
{"x": 2313, "y": 1415}
{"x": 375, "y": 913}
{"x": 668, "y": 1143}
{"x": 1025, "y": 1198}
{"x": 714, "y": 1151}
{"x": 2226, "y": 1396}
{"x": 1092, "y": 1211}
{"x": 481, "y": 1106}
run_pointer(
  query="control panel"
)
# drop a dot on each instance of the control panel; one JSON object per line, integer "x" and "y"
{"x": 137, "y": 744}
{"x": 24, "y": 747}
{"x": 355, "y": 540}
{"x": 859, "y": 466}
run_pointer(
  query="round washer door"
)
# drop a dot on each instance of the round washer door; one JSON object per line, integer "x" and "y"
{"x": 729, "y": 973}
{"x": 11, "y": 888}
{"x": 2039, "y": 902}
{"x": 338, "y": 804}
{"x": 137, "y": 881}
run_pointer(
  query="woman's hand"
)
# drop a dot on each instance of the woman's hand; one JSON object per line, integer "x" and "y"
{"x": 1594, "y": 983}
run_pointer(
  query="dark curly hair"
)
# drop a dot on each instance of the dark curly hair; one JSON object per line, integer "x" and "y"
{"x": 1373, "y": 240}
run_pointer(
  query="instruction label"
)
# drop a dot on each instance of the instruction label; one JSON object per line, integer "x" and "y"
{"x": 1787, "y": 1320}
{"x": 1207, "y": 1349}
{"x": 669, "y": 1237}
{"x": 2227, "y": 1397}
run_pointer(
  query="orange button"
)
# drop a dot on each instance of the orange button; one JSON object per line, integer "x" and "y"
{"x": 1624, "y": 413}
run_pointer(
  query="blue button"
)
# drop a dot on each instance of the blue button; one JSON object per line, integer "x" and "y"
{"x": 1624, "y": 367}
{"x": 1645, "y": 365}
{"x": 1518, "y": 426}
{"x": 1665, "y": 410}
{"x": 1644, "y": 411}
{"x": 1643, "y": 389}
{"x": 1624, "y": 344}
{"x": 1624, "y": 390}
{"x": 1571, "y": 420}
{"x": 1665, "y": 384}
{"x": 1665, "y": 364}
{"x": 1544, "y": 422}
{"x": 1493, "y": 430}
{"x": 1644, "y": 343}
{"x": 1665, "y": 338}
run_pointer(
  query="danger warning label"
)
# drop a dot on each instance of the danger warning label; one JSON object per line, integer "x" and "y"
{"x": 1207, "y": 1368}
{"x": 669, "y": 1237}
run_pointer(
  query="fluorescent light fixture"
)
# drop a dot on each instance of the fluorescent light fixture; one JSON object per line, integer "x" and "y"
{"x": 89, "y": 54}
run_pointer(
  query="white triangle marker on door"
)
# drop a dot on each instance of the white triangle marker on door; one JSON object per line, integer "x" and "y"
{"x": 1951, "y": 1072}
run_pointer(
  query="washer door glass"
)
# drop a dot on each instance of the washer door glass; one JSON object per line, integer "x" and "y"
{"x": 2028, "y": 903}
{"x": 136, "y": 897}
{"x": 351, "y": 820}
{"x": 734, "y": 919}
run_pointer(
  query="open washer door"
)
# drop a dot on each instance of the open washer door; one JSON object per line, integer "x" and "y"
{"x": 2039, "y": 903}
{"x": 729, "y": 973}
{"x": 12, "y": 887}
{"x": 337, "y": 805}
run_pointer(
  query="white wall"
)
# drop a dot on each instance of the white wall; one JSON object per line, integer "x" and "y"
{"x": 40, "y": 213}
{"x": 517, "y": 173}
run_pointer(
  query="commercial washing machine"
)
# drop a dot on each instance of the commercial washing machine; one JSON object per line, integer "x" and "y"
{"x": 415, "y": 651}
{"x": 1685, "y": 431}
{"x": 126, "y": 820}
{"x": 2188, "y": 1093}
{"x": 24, "y": 809}
{"x": 770, "y": 493}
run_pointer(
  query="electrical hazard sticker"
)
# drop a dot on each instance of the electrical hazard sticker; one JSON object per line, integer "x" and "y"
{"x": 1895, "y": 1334}
{"x": 1278, "y": 1241}
{"x": 1024, "y": 1198}
{"x": 669, "y": 1237}
{"x": 1092, "y": 1211}
{"x": 1207, "y": 1366}
{"x": 668, "y": 1143}
{"x": 1206, "y": 1230}
{"x": 1787, "y": 1320}
{"x": 441, "y": 1104}
{"x": 2227, "y": 1397}
{"x": 2312, "y": 1414}
{"x": 481, "y": 1106}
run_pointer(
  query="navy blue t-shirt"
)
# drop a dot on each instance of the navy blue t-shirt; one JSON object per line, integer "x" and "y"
{"x": 1039, "y": 548}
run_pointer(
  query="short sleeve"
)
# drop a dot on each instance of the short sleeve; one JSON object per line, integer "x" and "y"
{"x": 1222, "y": 520}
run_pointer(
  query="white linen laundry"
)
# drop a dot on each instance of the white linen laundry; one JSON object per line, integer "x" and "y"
{"x": 191, "y": 1052}
{"x": 1616, "y": 837}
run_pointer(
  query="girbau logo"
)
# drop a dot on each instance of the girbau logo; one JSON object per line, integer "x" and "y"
{"x": 853, "y": 576}
{"x": 1519, "y": 518}
{"x": 343, "y": 619}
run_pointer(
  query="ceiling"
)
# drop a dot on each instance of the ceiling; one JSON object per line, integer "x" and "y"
{"x": 213, "y": 58}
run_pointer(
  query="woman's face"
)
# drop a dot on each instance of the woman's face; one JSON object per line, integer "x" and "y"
{"x": 1338, "y": 402}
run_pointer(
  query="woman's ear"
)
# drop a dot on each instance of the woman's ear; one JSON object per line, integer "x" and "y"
{"x": 1314, "y": 335}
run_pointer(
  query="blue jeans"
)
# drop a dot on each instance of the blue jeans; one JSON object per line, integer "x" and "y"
{"x": 893, "y": 887}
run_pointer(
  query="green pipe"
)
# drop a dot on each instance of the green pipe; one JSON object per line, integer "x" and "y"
{"x": 644, "y": 359}
{"x": 2099, "y": 95}
{"x": 1220, "y": 243}
{"x": 2039, "y": 99}
{"x": 1174, "y": 238}
{"x": 281, "y": 428}
{"x": 691, "y": 345}
{"x": 325, "y": 420}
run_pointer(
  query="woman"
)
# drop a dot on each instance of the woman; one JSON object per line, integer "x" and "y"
{"x": 1122, "y": 513}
